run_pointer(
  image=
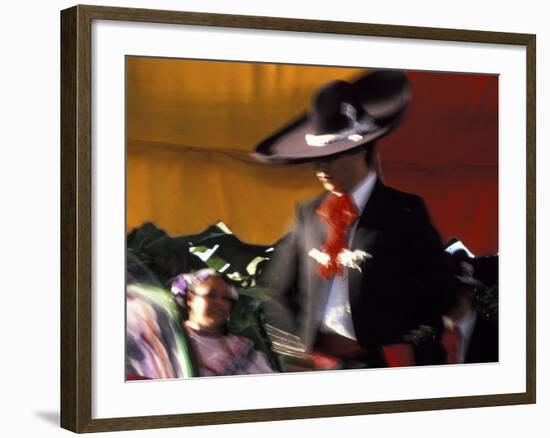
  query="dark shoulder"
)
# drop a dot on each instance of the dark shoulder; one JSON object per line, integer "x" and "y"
{"x": 308, "y": 207}
{"x": 399, "y": 201}
{"x": 485, "y": 326}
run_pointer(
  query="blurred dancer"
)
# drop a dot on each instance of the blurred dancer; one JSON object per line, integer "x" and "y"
{"x": 363, "y": 265}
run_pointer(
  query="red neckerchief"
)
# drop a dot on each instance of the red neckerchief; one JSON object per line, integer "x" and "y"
{"x": 339, "y": 212}
{"x": 451, "y": 339}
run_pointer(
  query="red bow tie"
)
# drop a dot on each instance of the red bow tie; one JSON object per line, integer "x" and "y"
{"x": 339, "y": 212}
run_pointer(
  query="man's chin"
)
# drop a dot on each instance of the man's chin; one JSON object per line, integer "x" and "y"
{"x": 328, "y": 186}
{"x": 333, "y": 189}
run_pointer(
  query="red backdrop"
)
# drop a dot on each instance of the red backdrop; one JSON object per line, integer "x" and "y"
{"x": 446, "y": 150}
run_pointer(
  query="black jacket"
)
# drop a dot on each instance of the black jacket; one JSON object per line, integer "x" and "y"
{"x": 483, "y": 345}
{"x": 403, "y": 285}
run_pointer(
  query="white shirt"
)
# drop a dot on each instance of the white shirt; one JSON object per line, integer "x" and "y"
{"x": 466, "y": 328}
{"x": 337, "y": 313}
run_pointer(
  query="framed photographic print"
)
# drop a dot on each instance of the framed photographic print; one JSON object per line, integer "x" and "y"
{"x": 268, "y": 218}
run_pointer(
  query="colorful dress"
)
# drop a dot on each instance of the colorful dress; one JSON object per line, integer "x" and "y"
{"x": 226, "y": 354}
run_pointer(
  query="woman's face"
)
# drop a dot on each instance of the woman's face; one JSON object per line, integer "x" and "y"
{"x": 210, "y": 304}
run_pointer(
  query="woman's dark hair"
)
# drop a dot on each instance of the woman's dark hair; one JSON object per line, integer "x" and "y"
{"x": 181, "y": 303}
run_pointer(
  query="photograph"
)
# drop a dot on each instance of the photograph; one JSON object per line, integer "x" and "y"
{"x": 289, "y": 218}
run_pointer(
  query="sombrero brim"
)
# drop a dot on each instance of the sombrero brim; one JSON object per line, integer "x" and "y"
{"x": 289, "y": 145}
{"x": 386, "y": 104}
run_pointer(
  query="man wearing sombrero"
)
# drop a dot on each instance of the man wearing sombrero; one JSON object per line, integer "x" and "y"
{"x": 363, "y": 266}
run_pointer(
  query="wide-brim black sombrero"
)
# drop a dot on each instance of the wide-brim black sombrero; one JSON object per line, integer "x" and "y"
{"x": 343, "y": 116}
{"x": 462, "y": 263}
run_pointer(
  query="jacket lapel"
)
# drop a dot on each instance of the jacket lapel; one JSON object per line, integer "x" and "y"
{"x": 316, "y": 288}
{"x": 365, "y": 238}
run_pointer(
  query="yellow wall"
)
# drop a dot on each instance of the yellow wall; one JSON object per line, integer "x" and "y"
{"x": 190, "y": 126}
